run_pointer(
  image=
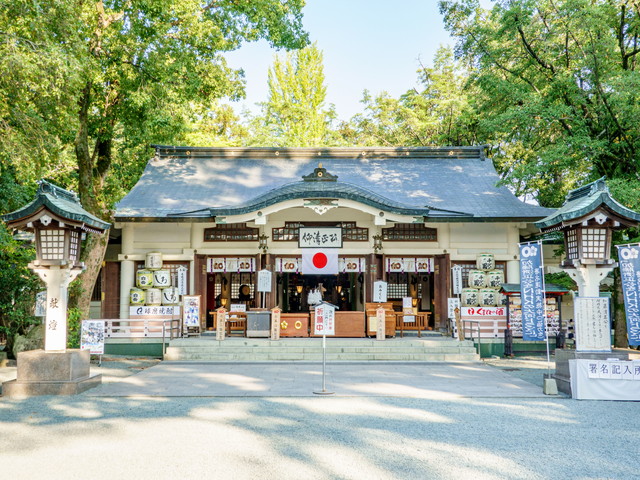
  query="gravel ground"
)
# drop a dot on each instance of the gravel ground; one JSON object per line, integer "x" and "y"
{"x": 319, "y": 437}
{"x": 531, "y": 369}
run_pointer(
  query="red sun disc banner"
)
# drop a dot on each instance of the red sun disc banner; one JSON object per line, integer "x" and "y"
{"x": 320, "y": 260}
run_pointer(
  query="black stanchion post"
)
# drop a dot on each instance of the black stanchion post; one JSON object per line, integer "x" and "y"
{"x": 508, "y": 343}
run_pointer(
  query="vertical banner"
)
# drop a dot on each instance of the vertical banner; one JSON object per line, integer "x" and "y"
{"x": 532, "y": 292}
{"x": 629, "y": 259}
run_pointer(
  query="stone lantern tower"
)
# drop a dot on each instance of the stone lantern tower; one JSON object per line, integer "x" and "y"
{"x": 587, "y": 220}
{"x": 59, "y": 223}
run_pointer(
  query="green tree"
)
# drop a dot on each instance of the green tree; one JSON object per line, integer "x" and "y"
{"x": 557, "y": 88}
{"x": 124, "y": 75}
{"x": 40, "y": 65}
{"x": 295, "y": 114}
{"x": 217, "y": 126}
{"x": 439, "y": 113}
{"x": 557, "y": 85}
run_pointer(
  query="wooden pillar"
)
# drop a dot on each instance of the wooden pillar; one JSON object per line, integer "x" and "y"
{"x": 200, "y": 287}
{"x": 268, "y": 262}
{"x": 441, "y": 289}
{"x": 374, "y": 272}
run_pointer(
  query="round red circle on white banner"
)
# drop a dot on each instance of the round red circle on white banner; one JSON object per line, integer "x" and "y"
{"x": 320, "y": 260}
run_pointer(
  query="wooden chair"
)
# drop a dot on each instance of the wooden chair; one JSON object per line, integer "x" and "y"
{"x": 237, "y": 321}
{"x": 421, "y": 322}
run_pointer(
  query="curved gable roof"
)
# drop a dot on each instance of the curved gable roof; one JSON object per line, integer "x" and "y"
{"x": 584, "y": 200}
{"x": 434, "y": 182}
{"x": 62, "y": 203}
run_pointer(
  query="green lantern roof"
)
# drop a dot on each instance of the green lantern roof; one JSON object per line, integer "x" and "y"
{"x": 60, "y": 202}
{"x": 586, "y": 200}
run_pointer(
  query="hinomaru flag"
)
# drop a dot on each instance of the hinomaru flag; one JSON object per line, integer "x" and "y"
{"x": 320, "y": 261}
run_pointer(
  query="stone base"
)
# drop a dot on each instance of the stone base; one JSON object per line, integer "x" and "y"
{"x": 563, "y": 376}
{"x": 51, "y": 373}
{"x": 550, "y": 386}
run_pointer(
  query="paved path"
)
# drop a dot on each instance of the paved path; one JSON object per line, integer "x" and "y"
{"x": 415, "y": 380}
{"x": 386, "y": 422}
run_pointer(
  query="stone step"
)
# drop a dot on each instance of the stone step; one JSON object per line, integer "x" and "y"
{"x": 433, "y": 349}
{"x": 314, "y": 356}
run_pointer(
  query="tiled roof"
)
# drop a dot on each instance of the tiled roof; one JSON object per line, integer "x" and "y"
{"x": 61, "y": 202}
{"x": 584, "y": 200}
{"x": 440, "y": 183}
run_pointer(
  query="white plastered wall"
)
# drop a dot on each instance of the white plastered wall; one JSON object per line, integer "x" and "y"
{"x": 181, "y": 241}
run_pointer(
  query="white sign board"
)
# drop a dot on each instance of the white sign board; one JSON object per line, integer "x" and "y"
{"x": 238, "y": 307}
{"x": 456, "y": 279}
{"x": 407, "y": 304}
{"x": 452, "y": 304}
{"x": 593, "y": 330}
{"x": 483, "y": 311}
{"x": 92, "y": 336}
{"x": 181, "y": 279}
{"x": 264, "y": 281}
{"x": 320, "y": 237}
{"x": 41, "y": 304}
{"x": 325, "y": 323}
{"x": 380, "y": 291}
{"x": 154, "y": 310}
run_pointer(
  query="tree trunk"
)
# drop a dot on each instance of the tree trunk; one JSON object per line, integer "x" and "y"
{"x": 619, "y": 318}
{"x": 95, "y": 248}
{"x": 89, "y": 180}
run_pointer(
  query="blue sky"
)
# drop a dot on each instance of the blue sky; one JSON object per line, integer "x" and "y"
{"x": 367, "y": 44}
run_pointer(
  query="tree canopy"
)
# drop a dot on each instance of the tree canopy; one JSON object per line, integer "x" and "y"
{"x": 557, "y": 88}
{"x": 295, "y": 113}
{"x": 87, "y": 86}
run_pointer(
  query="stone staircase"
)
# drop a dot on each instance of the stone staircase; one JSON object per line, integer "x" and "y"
{"x": 409, "y": 349}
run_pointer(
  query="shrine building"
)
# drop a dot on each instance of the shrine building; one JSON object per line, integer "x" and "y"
{"x": 215, "y": 217}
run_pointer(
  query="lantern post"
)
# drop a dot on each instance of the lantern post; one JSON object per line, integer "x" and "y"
{"x": 587, "y": 221}
{"x": 59, "y": 224}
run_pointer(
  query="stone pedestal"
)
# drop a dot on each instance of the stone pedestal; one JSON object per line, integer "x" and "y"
{"x": 51, "y": 373}
{"x": 563, "y": 376}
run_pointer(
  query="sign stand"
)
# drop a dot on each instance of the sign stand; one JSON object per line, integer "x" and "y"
{"x": 324, "y": 324}
{"x": 92, "y": 337}
{"x": 264, "y": 285}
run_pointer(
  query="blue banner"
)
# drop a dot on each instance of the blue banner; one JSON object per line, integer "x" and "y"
{"x": 629, "y": 260}
{"x": 532, "y": 292}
